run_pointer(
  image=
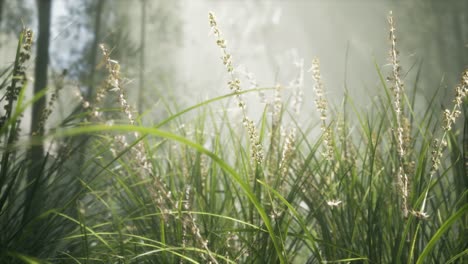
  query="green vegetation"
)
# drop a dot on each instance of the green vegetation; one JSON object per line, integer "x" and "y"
{"x": 386, "y": 185}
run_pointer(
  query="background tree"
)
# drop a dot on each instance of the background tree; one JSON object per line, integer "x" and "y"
{"x": 142, "y": 56}
{"x": 94, "y": 48}
{"x": 40, "y": 83}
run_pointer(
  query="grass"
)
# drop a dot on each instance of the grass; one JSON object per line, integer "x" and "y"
{"x": 384, "y": 186}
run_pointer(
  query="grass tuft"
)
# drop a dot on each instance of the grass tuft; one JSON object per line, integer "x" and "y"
{"x": 386, "y": 185}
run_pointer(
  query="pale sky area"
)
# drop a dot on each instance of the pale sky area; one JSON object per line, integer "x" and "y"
{"x": 268, "y": 37}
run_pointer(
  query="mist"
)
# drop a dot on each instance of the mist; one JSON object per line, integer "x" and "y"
{"x": 233, "y": 131}
{"x": 267, "y": 40}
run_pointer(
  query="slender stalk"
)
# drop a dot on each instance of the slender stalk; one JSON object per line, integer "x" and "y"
{"x": 142, "y": 56}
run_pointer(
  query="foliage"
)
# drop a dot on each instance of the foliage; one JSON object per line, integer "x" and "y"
{"x": 382, "y": 186}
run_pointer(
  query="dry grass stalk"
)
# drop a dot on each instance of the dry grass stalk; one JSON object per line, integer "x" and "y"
{"x": 275, "y": 108}
{"x": 297, "y": 86}
{"x": 18, "y": 81}
{"x": 398, "y": 91}
{"x": 50, "y": 106}
{"x": 322, "y": 106}
{"x": 461, "y": 91}
{"x": 162, "y": 197}
{"x": 288, "y": 152}
{"x": 449, "y": 118}
{"x": 235, "y": 86}
{"x": 114, "y": 81}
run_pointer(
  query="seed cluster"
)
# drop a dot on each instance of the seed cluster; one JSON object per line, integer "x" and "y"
{"x": 321, "y": 104}
{"x": 234, "y": 85}
{"x": 18, "y": 81}
{"x": 449, "y": 117}
{"x": 398, "y": 90}
{"x": 159, "y": 191}
{"x": 460, "y": 93}
{"x": 114, "y": 82}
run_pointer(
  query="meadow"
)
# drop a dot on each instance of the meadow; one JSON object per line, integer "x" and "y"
{"x": 379, "y": 184}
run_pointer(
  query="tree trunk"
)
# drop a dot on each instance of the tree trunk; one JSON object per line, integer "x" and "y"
{"x": 36, "y": 154}
{"x": 142, "y": 56}
{"x": 1, "y": 11}
{"x": 42, "y": 61}
{"x": 94, "y": 50}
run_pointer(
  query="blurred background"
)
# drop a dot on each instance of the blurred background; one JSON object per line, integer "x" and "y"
{"x": 167, "y": 52}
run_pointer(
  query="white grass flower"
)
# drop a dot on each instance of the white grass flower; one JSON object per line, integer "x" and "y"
{"x": 334, "y": 203}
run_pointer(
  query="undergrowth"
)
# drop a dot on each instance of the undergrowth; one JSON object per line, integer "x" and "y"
{"x": 203, "y": 186}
